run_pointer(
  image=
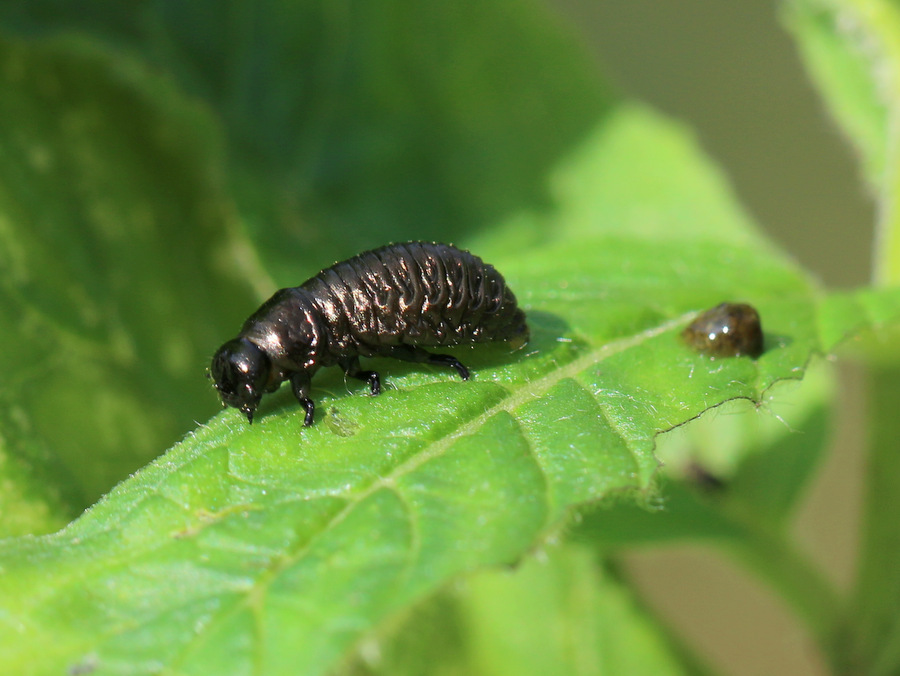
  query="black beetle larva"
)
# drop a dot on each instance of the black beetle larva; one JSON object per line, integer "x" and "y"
{"x": 727, "y": 330}
{"x": 389, "y": 302}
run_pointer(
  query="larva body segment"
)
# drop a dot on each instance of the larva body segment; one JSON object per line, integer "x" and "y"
{"x": 392, "y": 302}
{"x": 427, "y": 295}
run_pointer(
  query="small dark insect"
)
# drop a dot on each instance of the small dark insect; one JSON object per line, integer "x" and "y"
{"x": 389, "y": 302}
{"x": 87, "y": 666}
{"x": 703, "y": 479}
{"x": 727, "y": 330}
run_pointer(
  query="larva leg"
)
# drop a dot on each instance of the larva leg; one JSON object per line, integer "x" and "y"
{"x": 351, "y": 368}
{"x": 300, "y": 385}
{"x": 420, "y": 356}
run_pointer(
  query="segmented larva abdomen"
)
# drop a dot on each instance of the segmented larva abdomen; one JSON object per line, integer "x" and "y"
{"x": 390, "y": 302}
{"x": 417, "y": 294}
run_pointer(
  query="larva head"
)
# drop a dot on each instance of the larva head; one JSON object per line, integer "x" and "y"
{"x": 240, "y": 371}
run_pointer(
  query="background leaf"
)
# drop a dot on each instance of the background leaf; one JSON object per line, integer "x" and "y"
{"x": 870, "y": 638}
{"x": 560, "y": 611}
{"x": 380, "y": 123}
{"x": 852, "y": 48}
{"x": 833, "y": 42}
{"x": 117, "y": 268}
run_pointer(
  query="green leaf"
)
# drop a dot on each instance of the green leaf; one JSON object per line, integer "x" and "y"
{"x": 741, "y": 465}
{"x": 732, "y": 479}
{"x": 832, "y": 38}
{"x": 871, "y": 642}
{"x": 560, "y": 613}
{"x": 382, "y": 123}
{"x": 852, "y": 47}
{"x": 115, "y": 244}
{"x": 852, "y": 50}
{"x": 759, "y": 458}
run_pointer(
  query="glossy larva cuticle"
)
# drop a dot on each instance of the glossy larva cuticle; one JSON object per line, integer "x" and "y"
{"x": 389, "y": 302}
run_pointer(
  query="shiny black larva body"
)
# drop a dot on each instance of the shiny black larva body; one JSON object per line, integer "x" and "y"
{"x": 388, "y": 302}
